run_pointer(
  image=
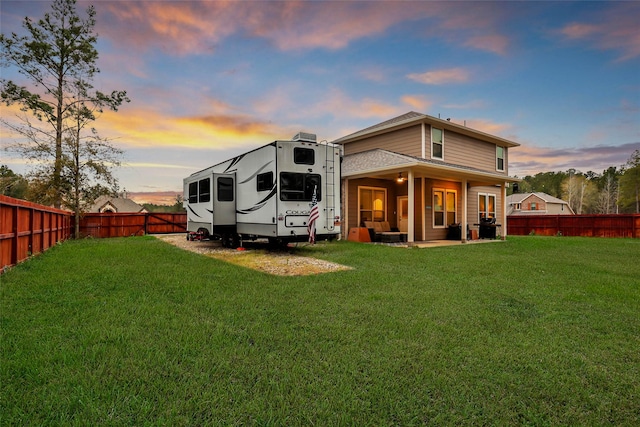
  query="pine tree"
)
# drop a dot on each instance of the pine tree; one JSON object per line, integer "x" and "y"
{"x": 58, "y": 57}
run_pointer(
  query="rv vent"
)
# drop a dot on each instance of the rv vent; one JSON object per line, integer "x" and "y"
{"x": 305, "y": 137}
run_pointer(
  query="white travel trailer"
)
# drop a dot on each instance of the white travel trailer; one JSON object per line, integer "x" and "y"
{"x": 267, "y": 193}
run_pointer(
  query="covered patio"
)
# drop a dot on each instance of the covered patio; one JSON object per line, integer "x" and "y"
{"x": 421, "y": 197}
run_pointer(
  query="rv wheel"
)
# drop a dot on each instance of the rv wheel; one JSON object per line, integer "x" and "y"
{"x": 226, "y": 241}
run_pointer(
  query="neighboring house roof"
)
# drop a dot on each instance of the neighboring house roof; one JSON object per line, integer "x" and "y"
{"x": 380, "y": 160}
{"x": 516, "y": 198}
{"x": 116, "y": 204}
{"x": 413, "y": 118}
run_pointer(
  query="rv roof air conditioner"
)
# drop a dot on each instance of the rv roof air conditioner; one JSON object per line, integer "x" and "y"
{"x": 305, "y": 137}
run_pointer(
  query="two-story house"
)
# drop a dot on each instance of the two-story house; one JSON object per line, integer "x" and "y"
{"x": 423, "y": 174}
{"x": 537, "y": 204}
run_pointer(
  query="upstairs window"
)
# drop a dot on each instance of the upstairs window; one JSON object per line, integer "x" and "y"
{"x": 437, "y": 143}
{"x": 500, "y": 159}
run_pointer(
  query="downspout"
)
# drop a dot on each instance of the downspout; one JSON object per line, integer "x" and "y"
{"x": 423, "y": 208}
{"x": 503, "y": 195}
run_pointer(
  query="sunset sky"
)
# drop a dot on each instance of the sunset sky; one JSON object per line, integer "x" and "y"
{"x": 211, "y": 79}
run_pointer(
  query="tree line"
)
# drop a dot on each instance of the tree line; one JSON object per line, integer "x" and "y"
{"x": 615, "y": 190}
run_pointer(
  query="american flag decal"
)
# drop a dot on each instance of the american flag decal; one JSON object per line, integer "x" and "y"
{"x": 314, "y": 214}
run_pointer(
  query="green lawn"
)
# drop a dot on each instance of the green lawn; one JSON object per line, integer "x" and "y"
{"x": 133, "y": 331}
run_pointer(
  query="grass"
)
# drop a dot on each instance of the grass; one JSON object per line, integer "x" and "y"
{"x": 133, "y": 331}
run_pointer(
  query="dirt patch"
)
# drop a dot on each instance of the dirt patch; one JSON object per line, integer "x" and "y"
{"x": 256, "y": 256}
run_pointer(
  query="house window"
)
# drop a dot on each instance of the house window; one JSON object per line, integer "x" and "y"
{"x": 299, "y": 186}
{"x": 204, "y": 190}
{"x": 437, "y": 143}
{"x": 373, "y": 204}
{"x": 444, "y": 207}
{"x": 534, "y": 206}
{"x": 451, "y": 207}
{"x": 517, "y": 206}
{"x": 500, "y": 158}
{"x": 264, "y": 181}
{"x": 486, "y": 206}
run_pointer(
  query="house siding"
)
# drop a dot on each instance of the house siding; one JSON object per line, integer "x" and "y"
{"x": 466, "y": 151}
{"x": 404, "y": 141}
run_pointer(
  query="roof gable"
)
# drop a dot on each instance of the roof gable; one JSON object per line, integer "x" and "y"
{"x": 521, "y": 197}
{"x": 116, "y": 204}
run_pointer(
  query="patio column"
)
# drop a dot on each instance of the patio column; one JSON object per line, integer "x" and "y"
{"x": 465, "y": 211}
{"x": 503, "y": 191}
{"x": 412, "y": 204}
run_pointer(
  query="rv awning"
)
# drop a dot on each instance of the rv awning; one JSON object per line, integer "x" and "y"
{"x": 384, "y": 164}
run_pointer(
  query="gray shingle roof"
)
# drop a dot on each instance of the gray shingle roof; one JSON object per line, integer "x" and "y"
{"x": 120, "y": 204}
{"x": 519, "y": 197}
{"x": 379, "y": 159}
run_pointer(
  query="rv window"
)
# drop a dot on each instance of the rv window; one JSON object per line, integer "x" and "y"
{"x": 225, "y": 189}
{"x": 265, "y": 181}
{"x": 193, "y": 192}
{"x": 304, "y": 156}
{"x": 299, "y": 186}
{"x": 204, "y": 187}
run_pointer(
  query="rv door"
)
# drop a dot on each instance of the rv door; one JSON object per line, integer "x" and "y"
{"x": 224, "y": 199}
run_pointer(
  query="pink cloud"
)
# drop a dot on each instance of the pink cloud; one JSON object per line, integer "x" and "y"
{"x": 199, "y": 26}
{"x": 616, "y": 29}
{"x": 494, "y": 43}
{"x": 487, "y": 126}
{"x": 439, "y": 77}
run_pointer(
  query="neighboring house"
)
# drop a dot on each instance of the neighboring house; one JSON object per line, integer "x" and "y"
{"x": 537, "y": 204}
{"x": 116, "y": 204}
{"x": 423, "y": 174}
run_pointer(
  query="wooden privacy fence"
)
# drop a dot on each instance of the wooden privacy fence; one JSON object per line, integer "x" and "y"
{"x": 28, "y": 228}
{"x": 103, "y": 225}
{"x": 621, "y": 225}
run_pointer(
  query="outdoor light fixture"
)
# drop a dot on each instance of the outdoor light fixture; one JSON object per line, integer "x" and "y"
{"x": 400, "y": 179}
